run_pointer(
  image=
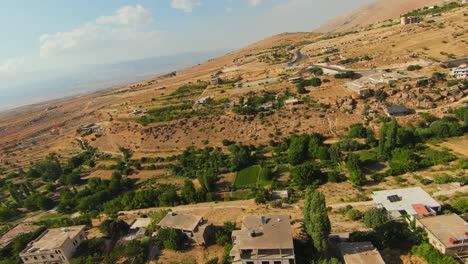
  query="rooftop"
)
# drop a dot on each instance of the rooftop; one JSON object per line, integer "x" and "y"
{"x": 180, "y": 221}
{"x": 408, "y": 199}
{"x": 141, "y": 223}
{"x": 54, "y": 238}
{"x": 265, "y": 232}
{"x": 397, "y": 109}
{"x": 22, "y": 228}
{"x": 446, "y": 227}
{"x": 360, "y": 253}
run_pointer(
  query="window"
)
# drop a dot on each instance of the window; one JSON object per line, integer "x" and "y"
{"x": 277, "y": 262}
{"x": 25, "y": 258}
{"x": 265, "y": 262}
{"x": 249, "y": 262}
{"x": 52, "y": 256}
{"x": 35, "y": 258}
{"x": 43, "y": 257}
{"x": 291, "y": 261}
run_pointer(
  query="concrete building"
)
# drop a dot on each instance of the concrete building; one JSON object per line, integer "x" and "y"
{"x": 360, "y": 253}
{"x": 358, "y": 88}
{"x": 194, "y": 227}
{"x": 397, "y": 110}
{"x": 410, "y": 20}
{"x": 385, "y": 77}
{"x": 138, "y": 229}
{"x": 19, "y": 229}
{"x": 447, "y": 233}
{"x": 292, "y": 101}
{"x": 461, "y": 72}
{"x": 54, "y": 246}
{"x": 279, "y": 194}
{"x": 295, "y": 79}
{"x": 204, "y": 100}
{"x": 414, "y": 202}
{"x": 263, "y": 240}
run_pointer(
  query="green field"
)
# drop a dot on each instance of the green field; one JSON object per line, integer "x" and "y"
{"x": 251, "y": 177}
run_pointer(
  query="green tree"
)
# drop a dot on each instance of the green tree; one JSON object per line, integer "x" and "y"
{"x": 297, "y": 151}
{"x": 306, "y": 174}
{"x": 114, "y": 228}
{"x": 170, "y": 239}
{"x": 403, "y": 160}
{"x": 355, "y": 173}
{"x": 188, "y": 193}
{"x": 316, "y": 221}
{"x": 375, "y": 217}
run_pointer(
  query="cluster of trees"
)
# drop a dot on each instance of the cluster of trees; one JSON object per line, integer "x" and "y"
{"x": 91, "y": 251}
{"x": 348, "y": 75}
{"x": 252, "y": 105}
{"x": 398, "y": 144}
{"x": 10, "y": 254}
{"x": 160, "y": 195}
{"x": 315, "y": 82}
{"x": 94, "y": 195}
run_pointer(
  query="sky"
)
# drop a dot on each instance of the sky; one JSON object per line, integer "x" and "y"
{"x": 49, "y": 37}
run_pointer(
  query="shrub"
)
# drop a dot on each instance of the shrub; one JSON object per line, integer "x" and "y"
{"x": 354, "y": 214}
{"x": 431, "y": 255}
{"x": 375, "y": 217}
{"x": 414, "y": 67}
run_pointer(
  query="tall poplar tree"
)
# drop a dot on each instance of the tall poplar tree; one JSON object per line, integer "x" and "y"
{"x": 316, "y": 219}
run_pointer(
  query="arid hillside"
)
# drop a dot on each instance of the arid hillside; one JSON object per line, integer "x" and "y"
{"x": 163, "y": 116}
{"x": 373, "y": 13}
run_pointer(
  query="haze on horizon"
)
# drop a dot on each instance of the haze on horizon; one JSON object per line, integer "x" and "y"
{"x": 52, "y": 39}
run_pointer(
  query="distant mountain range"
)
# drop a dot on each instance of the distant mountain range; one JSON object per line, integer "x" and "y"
{"x": 37, "y": 88}
{"x": 373, "y": 13}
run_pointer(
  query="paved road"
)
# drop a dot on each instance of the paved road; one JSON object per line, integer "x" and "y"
{"x": 299, "y": 56}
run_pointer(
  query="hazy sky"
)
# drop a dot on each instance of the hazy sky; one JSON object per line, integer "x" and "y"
{"x": 54, "y": 35}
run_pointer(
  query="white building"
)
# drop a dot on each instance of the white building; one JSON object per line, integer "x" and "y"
{"x": 414, "y": 202}
{"x": 461, "y": 72}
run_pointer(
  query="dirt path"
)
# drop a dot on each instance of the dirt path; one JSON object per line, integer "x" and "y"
{"x": 457, "y": 103}
{"x": 463, "y": 189}
{"x": 342, "y": 205}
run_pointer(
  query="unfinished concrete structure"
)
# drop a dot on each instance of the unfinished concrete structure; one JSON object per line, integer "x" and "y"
{"x": 54, "y": 246}
{"x": 263, "y": 240}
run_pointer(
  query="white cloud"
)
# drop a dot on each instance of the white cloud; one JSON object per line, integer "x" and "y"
{"x": 185, "y": 5}
{"x": 128, "y": 16}
{"x": 11, "y": 66}
{"x": 122, "y": 36}
{"x": 254, "y": 2}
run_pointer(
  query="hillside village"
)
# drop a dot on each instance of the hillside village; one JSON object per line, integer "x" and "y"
{"x": 347, "y": 147}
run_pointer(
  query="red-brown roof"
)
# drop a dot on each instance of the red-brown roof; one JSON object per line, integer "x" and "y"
{"x": 420, "y": 209}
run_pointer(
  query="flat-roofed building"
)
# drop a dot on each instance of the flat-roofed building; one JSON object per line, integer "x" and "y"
{"x": 414, "y": 202}
{"x": 360, "y": 253}
{"x": 54, "y": 246}
{"x": 263, "y": 240}
{"x": 138, "y": 229}
{"x": 19, "y": 229}
{"x": 397, "y": 110}
{"x": 195, "y": 227}
{"x": 447, "y": 233}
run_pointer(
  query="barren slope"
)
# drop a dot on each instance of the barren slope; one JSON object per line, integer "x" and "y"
{"x": 373, "y": 13}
